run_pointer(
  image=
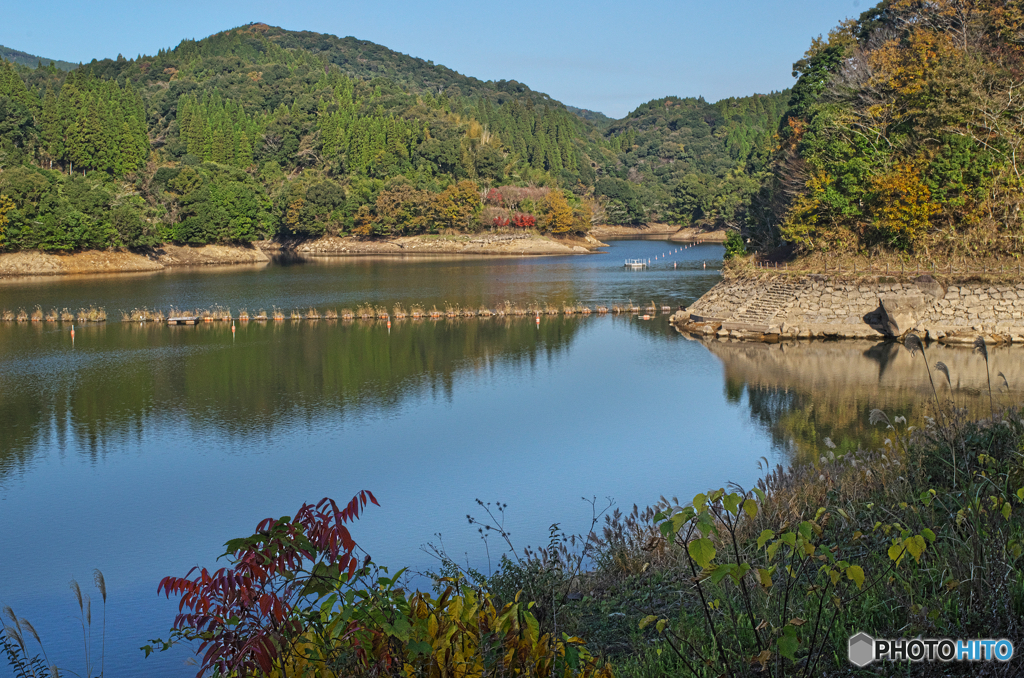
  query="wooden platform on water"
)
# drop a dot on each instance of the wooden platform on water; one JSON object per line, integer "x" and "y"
{"x": 183, "y": 320}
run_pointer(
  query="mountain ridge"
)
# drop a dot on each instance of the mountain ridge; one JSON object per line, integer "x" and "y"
{"x": 17, "y": 56}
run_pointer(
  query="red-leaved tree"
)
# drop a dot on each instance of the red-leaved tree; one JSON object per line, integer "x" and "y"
{"x": 244, "y": 615}
{"x": 521, "y": 220}
{"x": 493, "y": 197}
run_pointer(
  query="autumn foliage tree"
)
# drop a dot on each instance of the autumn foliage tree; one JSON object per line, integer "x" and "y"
{"x": 558, "y": 216}
{"x": 457, "y": 205}
{"x": 6, "y": 205}
{"x": 902, "y": 207}
{"x": 521, "y": 220}
{"x": 245, "y": 616}
{"x": 905, "y": 133}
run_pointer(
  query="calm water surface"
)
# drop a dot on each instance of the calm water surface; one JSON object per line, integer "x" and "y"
{"x": 140, "y": 449}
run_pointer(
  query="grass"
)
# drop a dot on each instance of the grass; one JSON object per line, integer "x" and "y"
{"x": 953, "y": 269}
{"x": 27, "y": 663}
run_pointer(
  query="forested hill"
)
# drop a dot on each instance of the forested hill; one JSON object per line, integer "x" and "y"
{"x": 905, "y": 135}
{"x": 257, "y": 132}
{"x": 32, "y": 61}
{"x": 359, "y": 59}
{"x": 689, "y": 162}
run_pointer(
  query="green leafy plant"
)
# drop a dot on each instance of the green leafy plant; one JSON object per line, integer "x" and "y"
{"x": 735, "y": 246}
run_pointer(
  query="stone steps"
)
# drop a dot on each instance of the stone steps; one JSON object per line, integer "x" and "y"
{"x": 763, "y": 309}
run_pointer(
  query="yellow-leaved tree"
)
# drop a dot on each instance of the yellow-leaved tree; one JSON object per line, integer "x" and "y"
{"x": 558, "y": 216}
{"x": 902, "y": 206}
{"x": 6, "y": 205}
{"x": 456, "y": 205}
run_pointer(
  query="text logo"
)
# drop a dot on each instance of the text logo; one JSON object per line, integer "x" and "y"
{"x": 863, "y": 649}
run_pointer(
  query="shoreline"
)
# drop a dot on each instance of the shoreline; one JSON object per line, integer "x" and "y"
{"x": 696, "y": 234}
{"x": 616, "y": 231}
{"x": 670, "y": 232}
{"x": 772, "y": 307}
{"x": 34, "y": 263}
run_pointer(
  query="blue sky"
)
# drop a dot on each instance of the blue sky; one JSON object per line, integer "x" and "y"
{"x": 602, "y": 55}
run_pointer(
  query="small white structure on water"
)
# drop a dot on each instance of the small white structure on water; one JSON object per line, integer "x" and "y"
{"x": 636, "y": 264}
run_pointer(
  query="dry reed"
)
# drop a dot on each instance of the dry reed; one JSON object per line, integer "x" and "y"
{"x": 92, "y": 315}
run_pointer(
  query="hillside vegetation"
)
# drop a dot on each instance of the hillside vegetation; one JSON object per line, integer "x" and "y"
{"x": 258, "y": 132}
{"x": 16, "y": 56}
{"x": 904, "y": 134}
{"x": 689, "y": 162}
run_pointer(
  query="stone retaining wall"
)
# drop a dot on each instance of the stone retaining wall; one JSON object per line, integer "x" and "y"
{"x": 785, "y": 307}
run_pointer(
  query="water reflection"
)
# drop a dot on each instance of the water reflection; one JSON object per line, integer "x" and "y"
{"x": 122, "y": 377}
{"x": 803, "y": 392}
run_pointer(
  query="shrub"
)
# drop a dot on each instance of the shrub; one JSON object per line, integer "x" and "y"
{"x": 296, "y": 601}
{"x": 734, "y": 245}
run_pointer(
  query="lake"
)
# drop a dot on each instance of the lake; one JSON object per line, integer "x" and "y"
{"x": 139, "y": 449}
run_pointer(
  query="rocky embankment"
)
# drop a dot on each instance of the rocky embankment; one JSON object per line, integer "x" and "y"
{"x": 517, "y": 244}
{"x": 778, "y": 306}
{"x": 670, "y": 232}
{"x": 696, "y": 234}
{"x": 117, "y": 261}
{"x": 644, "y": 231}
